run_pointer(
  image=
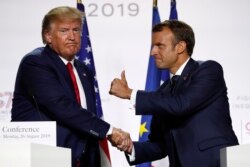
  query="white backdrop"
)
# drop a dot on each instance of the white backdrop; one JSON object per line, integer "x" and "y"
{"x": 120, "y": 31}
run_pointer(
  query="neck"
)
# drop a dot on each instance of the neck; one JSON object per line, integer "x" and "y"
{"x": 181, "y": 60}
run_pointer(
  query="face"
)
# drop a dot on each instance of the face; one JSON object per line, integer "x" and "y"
{"x": 65, "y": 38}
{"x": 163, "y": 49}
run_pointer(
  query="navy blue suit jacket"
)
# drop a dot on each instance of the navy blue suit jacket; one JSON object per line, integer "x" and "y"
{"x": 44, "y": 92}
{"x": 190, "y": 124}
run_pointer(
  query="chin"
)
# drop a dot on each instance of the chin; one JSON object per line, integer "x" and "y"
{"x": 158, "y": 66}
{"x": 72, "y": 53}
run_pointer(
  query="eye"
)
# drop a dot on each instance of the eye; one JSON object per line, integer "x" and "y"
{"x": 63, "y": 31}
{"x": 160, "y": 46}
{"x": 76, "y": 30}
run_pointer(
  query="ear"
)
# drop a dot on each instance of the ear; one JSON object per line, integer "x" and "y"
{"x": 181, "y": 47}
{"x": 48, "y": 37}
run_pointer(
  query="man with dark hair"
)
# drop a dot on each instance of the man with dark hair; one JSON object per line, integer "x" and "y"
{"x": 191, "y": 119}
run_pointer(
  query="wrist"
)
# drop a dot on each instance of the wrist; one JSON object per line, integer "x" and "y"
{"x": 129, "y": 94}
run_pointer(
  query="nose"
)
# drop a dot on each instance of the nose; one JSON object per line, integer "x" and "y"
{"x": 71, "y": 35}
{"x": 153, "y": 51}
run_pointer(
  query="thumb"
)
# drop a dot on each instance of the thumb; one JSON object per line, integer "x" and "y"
{"x": 123, "y": 77}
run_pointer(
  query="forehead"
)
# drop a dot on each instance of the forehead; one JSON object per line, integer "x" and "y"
{"x": 165, "y": 35}
{"x": 65, "y": 23}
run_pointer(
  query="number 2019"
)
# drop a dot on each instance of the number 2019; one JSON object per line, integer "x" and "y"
{"x": 108, "y": 9}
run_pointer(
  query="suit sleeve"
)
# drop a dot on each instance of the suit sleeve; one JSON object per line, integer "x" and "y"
{"x": 201, "y": 87}
{"x": 153, "y": 149}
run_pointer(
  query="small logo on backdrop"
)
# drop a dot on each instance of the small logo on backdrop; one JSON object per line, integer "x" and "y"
{"x": 247, "y": 127}
{"x": 5, "y": 105}
{"x": 245, "y": 131}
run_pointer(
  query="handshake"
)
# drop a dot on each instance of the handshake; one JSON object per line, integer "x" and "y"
{"x": 121, "y": 140}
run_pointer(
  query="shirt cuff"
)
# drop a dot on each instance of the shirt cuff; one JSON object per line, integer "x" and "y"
{"x": 110, "y": 131}
{"x": 132, "y": 155}
{"x": 133, "y": 99}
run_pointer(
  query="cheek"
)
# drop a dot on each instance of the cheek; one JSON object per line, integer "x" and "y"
{"x": 58, "y": 40}
{"x": 78, "y": 38}
{"x": 167, "y": 56}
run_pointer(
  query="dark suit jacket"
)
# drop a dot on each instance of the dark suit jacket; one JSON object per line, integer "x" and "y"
{"x": 190, "y": 124}
{"x": 44, "y": 92}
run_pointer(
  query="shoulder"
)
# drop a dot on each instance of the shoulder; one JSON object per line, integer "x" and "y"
{"x": 34, "y": 54}
{"x": 39, "y": 57}
{"x": 203, "y": 66}
{"x": 209, "y": 64}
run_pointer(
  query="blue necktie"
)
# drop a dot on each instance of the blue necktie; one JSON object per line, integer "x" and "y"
{"x": 173, "y": 81}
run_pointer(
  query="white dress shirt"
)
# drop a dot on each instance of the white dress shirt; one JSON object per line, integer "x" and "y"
{"x": 79, "y": 84}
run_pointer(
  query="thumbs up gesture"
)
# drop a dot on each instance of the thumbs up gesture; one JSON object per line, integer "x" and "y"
{"x": 119, "y": 87}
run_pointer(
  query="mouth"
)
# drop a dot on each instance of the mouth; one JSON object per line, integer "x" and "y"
{"x": 71, "y": 44}
{"x": 157, "y": 60}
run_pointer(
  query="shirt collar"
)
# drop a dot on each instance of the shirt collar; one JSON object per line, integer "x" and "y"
{"x": 179, "y": 71}
{"x": 66, "y": 61}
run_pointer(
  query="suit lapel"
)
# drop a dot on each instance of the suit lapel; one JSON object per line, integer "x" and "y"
{"x": 82, "y": 75}
{"x": 85, "y": 82}
{"x": 165, "y": 87}
{"x": 186, "y": 73}
{"x": 61, "y": 70}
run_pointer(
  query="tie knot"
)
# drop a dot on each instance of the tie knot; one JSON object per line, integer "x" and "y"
{"x": 69, "y": 65}
{"x": 174, "y": 79}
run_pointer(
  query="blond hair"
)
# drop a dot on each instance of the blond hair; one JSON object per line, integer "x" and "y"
{"x": 60, "y": 14}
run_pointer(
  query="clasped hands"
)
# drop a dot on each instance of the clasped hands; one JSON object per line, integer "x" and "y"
{"x": 121, "y": 140}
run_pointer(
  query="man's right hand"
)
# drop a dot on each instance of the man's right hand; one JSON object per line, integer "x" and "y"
{"x": 121, "y": 140}
{"x": 119, "y": 87}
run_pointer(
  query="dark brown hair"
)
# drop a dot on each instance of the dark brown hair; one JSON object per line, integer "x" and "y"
{"x": 181, "y": 31}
